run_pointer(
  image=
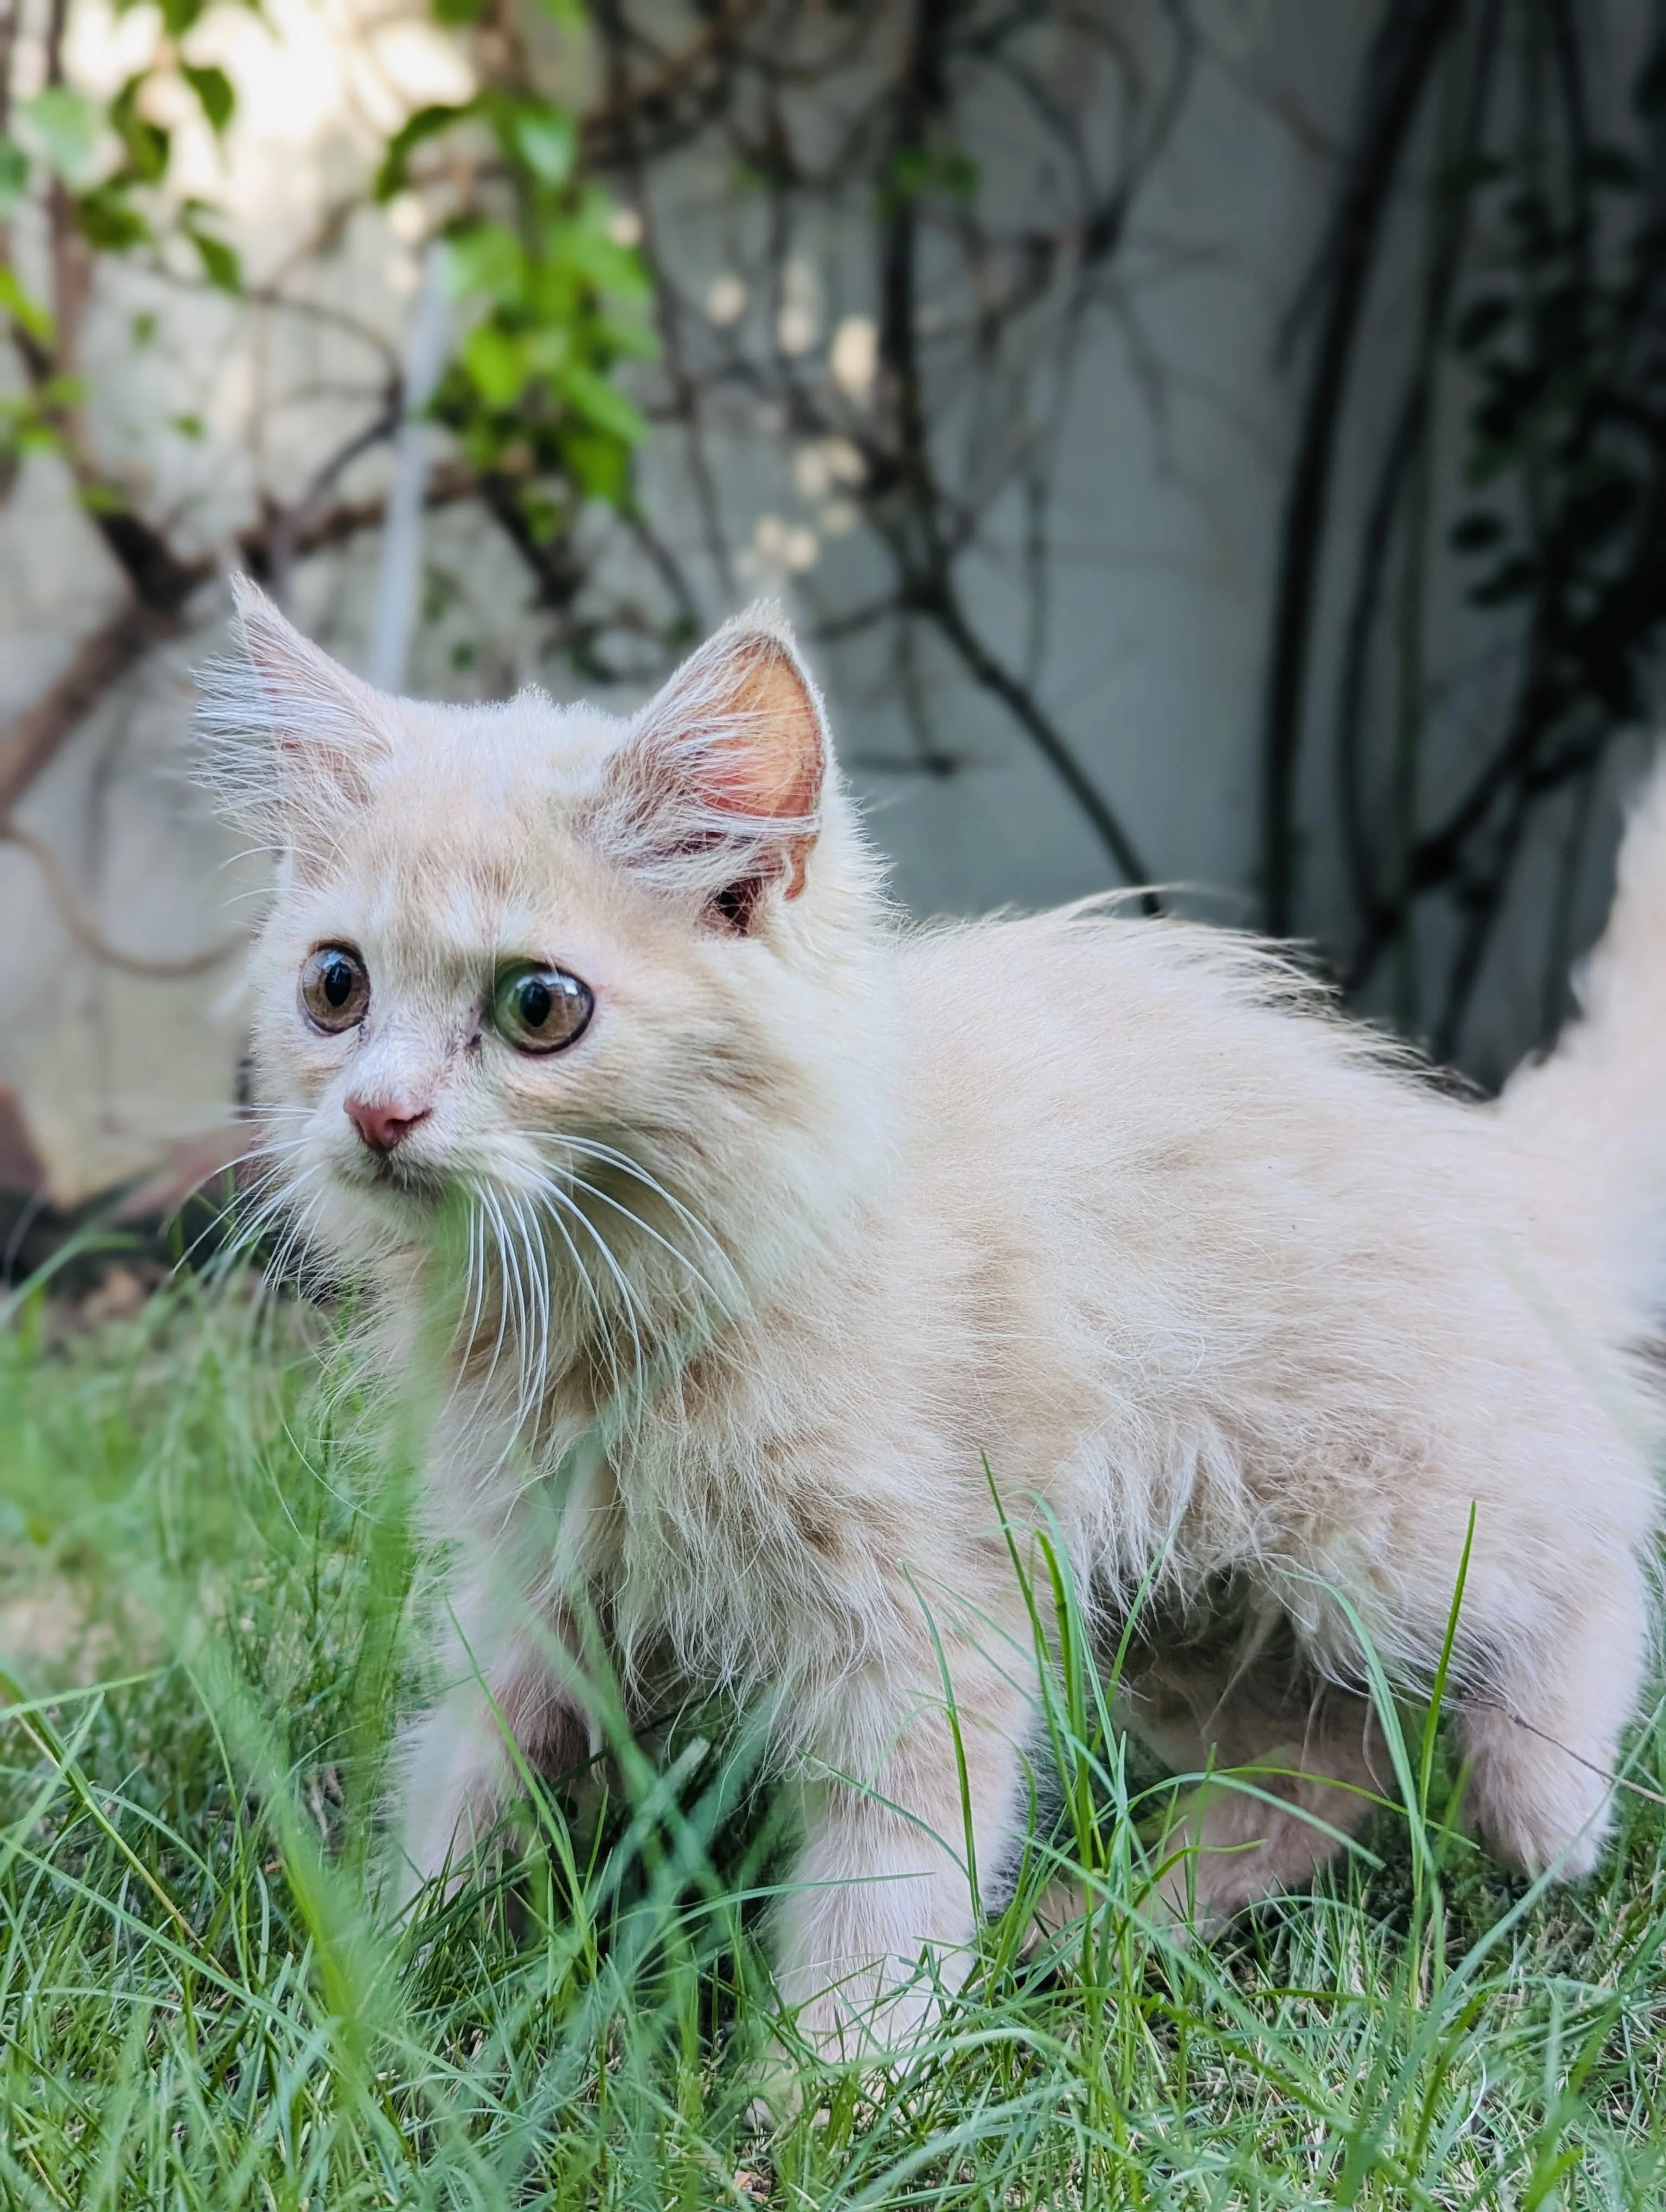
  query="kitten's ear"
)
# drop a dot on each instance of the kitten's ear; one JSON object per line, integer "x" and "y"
{"x": 291, "y": 736}
{"x": 717, "y": 789}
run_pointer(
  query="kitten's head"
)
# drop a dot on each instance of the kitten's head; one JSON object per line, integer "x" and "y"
{"x": 501, "y": 935}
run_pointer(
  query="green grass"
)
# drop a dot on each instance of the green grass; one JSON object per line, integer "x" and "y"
{"x": 200, "y": 2006}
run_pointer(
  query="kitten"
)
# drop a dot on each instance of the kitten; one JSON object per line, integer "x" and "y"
{"x": 758, "y": 1220}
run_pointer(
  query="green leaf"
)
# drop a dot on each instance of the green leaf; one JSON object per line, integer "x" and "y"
{"x": 483, "y": 440}
{"x": 220, "y": 263}
{"x": 630, "y": 341}
{"x": 24, "y": 310}
{"x": 426, "y": 123}
{"x": 602, "y": 405}
{"x": 146, "y": 142}
{"x": 496, "y": 363}
{"x": 29, "y": 434}
{"x": 14, "y": 174}
{"x": 188, "y": 426}
{"x": 917, "y": 170}
{"x": 25, "y": 428}
{"x": 459, "y": 11}
{"x": 546, "y": 140}
{"x": 555, "y": 295}
{"x": 488, "y": 260}
{"x": 67, "y": 125}
{"x": 215, "y": 95}
{"x": 601, "y": 466}
{"x": 107, "y": 220}
{"x": 180, "y": 15}
{"x": 147, "y": 145}
{"x": 586, "y": 249}
{"x": 543, "y": 515}
{"x": 545, "y": 350}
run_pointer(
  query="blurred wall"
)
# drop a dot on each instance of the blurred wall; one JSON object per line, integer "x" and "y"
{"x": 1176, "y": 433}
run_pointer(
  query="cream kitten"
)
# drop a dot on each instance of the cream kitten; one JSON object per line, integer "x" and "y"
{"x": 759, "y": 1220}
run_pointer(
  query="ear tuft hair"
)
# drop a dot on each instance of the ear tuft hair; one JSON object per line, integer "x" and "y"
{"x": 716, "y": 790}
{"x": 289, "y": 736}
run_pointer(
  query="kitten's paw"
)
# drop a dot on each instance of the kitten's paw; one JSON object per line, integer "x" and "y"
{"x": 1542, "y": 1808}
{"x": 424, "y": 1873}
{"x": 856, "y": 2023}
{"x": 407, "y": 1891}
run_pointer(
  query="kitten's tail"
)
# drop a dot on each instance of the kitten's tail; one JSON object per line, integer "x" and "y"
{"x": 1593, "y": 1112}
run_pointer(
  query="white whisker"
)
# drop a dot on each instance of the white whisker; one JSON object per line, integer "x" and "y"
{"x": 628, "y": 1295}
{"x": 611, "y": 1155}
{"x": 535, "y": 1345}
{"x": 603, "y": 1328}
{"x": 494, "y": 1220}
{"x": 476, "y": 1274}
{"x": 649, "y": 1230}
{"x": 274, "y": 1196}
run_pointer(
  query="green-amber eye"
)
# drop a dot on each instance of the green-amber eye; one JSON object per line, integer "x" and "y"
{"x": 540, "y": 1008}
{"x": 335, "y": 990}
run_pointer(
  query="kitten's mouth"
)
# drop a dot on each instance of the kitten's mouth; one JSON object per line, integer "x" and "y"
{"x": 393, "y": 1172}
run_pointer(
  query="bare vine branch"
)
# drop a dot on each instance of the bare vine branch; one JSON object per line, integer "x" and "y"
{"x": 1396, "y": 73}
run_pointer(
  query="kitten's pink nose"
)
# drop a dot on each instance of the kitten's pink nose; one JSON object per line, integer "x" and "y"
{"x": 382, "y": 1125}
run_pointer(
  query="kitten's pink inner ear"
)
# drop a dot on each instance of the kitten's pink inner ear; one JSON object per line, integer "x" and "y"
{"x": 772, "y": 765}
{"x": 717, "y": 788}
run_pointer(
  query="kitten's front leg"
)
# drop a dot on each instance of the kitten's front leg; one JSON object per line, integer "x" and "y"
{"x": 883, "y": 1874}
{"x": 512, "y": 1689}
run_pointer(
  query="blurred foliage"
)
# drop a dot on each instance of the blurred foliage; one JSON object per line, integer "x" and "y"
{"x": 545, "y": 280}
{"x": 529, "y": 392}
{"x": 111, "y": 159}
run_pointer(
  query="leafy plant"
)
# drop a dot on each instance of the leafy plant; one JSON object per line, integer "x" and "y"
{"x": 550, "y": 282}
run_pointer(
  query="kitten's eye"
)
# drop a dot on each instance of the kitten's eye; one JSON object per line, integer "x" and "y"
{"x": 335, "y": 990}
{"x": 540, "y": 1008}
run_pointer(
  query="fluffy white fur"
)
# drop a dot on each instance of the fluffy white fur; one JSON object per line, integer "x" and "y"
{"x": 739, "y": 1293}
